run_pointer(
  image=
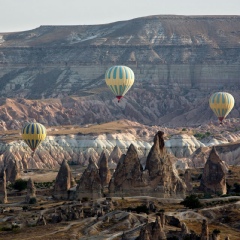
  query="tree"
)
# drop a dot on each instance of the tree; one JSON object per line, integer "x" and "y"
{"x": 236, "y": 187}
{"x": 191, "y": 201}
{"x": 32, "y": 200}
{"x": 20, "y": 184}
{"x": 216, "y": 231}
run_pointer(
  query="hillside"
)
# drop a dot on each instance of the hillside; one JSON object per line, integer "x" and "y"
{"x": 178, "y": 62}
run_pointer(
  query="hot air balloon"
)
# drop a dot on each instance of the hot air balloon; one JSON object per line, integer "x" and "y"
{"x": 33, "y": 134}
{"x": 119, "y": 79}
{"x": 221, "y": 103}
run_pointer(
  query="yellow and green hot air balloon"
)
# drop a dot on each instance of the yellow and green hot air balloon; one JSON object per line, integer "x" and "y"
{"x": 119, "y": 79}
{"x": 221, "y": 103}
{"x": 33, "y": 134}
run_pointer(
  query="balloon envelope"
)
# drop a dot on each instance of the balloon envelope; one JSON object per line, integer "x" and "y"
{"x": 221, "y": 103}
{"x": 119, "y": 79}
{"x": 33, "y": 134}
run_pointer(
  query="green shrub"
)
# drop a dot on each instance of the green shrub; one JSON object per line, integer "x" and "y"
{"x": 5, "y": 228}
{"x": 24, "y": 208}
{"x": 191, "y": 201}
{"x": 173, "y": 238}
{"x": 20, "y": 184}
{"x": 139, "y": 209}
{"x": 85, "y": 199}
{"x": 236, "y": 187}
{"x": 207, "y": 196}
{"x": 227, "y": 219}
{"x": 199, "y": 135}
{"x": 216, "y": 231}
{"x": 188, "y": 237}
{"x": 32, "y": 200}
{"x": 202, "y": 135}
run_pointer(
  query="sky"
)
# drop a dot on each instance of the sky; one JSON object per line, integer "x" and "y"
{"x": 20, "y": 15}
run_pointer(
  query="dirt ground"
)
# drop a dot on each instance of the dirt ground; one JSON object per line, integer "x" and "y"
{"x": 46, "y": 176}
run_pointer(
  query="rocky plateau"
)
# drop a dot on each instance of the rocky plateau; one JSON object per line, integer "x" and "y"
{"x": 55, "y": 74}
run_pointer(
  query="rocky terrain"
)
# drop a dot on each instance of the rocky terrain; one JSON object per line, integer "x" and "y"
{"x": 76, "y": 144}
{"x": 77, "y": 222}
{"x": 178, "y": 62}
{"x": 89, "y": 209}
{"x": 105, "y": 170}
{"x": 142, "y": 218}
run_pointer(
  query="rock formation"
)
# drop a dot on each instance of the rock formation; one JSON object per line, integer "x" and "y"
{"x": 183, "y": 145}
{"x": 63, "y": 181}
{"x": 77, "y": 148}
{"x": 215, "y": 235}
{"x": 90, "y": 182}
{"x": 3, "y": 187}
{"x": 184, "y": 229}
{"x": 157, "y": 230}
{"x": 160, "y": 175}
{"x": 115, "y": 154}
{"x": 199, "y": 157}
{"x": 214, "y": 177}
{"x": 124, "y": 236}
{"x": 153, "y": 230}
{"x": 144, "y": 235}
{"x": 74, "y": 148}
{"x": 129, "y": 175}
{"x": 31, "y": 190}
{"x": 188, "y": 180}
{"x": 104, "y": 172}
{"x": 162, "y": 219}
{"x": 159, "y": 49}
{"x": 163, "y": 174}
{"x": 205, "y": 231}
{"x": 41, "y": 221}
{"x": 12, "y": 170}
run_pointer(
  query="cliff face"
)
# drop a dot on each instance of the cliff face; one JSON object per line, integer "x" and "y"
{"x": 159, "y": 177}
{"x": 181, "y": 57}
{"x": 160, "y": 164}
{"x": 77, "y": 145}
{"x": 63, "y": 181}
{"x": 214, "y": 175}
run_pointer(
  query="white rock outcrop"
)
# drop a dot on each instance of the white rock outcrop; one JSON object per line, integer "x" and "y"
{"x": 183, "y": 145}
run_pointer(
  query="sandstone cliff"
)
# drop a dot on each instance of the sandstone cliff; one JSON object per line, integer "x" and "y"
{"x": 12, "y": 169}
{"x": 163, "y": 174}
{"x": 80, "y": 143}
{"x": 104, "y": 171}
{"x": 129, "y": 175}
{"x": 31, "y": 190}
{"x": 90, "y": 184}
{"x": 63, "y": 182}
{"x": 159, "y": 177}
{"x": 214, "y": 175}
{"x": 153, "y": 231}
{"x": 115, "y": 154}
{"x": 185, "y": 59}
{"x": 3, "y": 187}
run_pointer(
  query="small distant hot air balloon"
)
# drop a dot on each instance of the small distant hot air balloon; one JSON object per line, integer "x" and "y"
{"x": 221, "y": 103}
{"x": 33, "y": 134}
{"x": 119, "y": 79}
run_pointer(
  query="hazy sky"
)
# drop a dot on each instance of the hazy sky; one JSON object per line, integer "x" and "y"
{"x": 19, "y": 15}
